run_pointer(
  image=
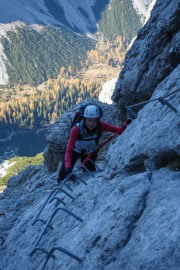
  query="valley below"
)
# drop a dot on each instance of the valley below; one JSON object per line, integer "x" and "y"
{"x": 28, "y": 142}
{"x": 23, "y": 143}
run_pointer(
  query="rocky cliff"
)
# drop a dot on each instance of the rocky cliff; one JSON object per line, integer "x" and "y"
{"x": 154, "y": 55}
{"x": 127, "y": 215}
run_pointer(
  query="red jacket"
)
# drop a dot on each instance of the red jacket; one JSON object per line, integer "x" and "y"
{"x": 75, "y": 134}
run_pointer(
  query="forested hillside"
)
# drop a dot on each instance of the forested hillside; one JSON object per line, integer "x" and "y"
{"x": 28, "y": 106}
{"x": 119, "y": 19}
{"x": 34, "y": 56}
{"x": 33, "y": 107}
{"x": 54, "y": 54}
{"x": 31, "y": 53}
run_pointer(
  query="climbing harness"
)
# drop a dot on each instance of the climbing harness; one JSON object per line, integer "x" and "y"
{"x": 100, "y": 146}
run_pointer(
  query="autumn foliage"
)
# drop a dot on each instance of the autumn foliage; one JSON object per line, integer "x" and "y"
{"x": 27, "y": 106}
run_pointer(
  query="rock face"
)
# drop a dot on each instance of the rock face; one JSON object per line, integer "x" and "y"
{"x": 128, "y": 222}
{"x": 153, "y": 56}
{"x": 153, "y": 138}
{"x": 125, "y": 217}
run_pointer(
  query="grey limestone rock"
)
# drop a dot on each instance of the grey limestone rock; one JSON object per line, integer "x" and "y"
{"x": 153, "y": 139}
{"x": 154, "y": 54}
{"x": 129, "y": 212}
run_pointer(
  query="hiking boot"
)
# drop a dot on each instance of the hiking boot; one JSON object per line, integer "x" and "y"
{"x": 59, "y": 180}
{"x": 73, "y": 178}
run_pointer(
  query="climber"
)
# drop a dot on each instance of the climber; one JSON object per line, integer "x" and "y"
{"x": 84, "y": 139}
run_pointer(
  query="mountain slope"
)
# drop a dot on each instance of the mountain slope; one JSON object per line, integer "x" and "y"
{"x": 34, "y": 56}
{"x": 159, "y": 41}
{"x": 78, "y": 15}
{"x": 130, "y": 207}
{"x": 82, "y": 17}
{"x": 127, "y": 216}
{"x": 141, "y": 7}
{"x": 120, "y": 19}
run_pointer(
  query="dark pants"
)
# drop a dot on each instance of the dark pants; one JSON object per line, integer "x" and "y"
{"x": 75, "y": 157}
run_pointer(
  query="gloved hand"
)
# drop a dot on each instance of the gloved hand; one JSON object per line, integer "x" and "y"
{"x": 127, "y": 122}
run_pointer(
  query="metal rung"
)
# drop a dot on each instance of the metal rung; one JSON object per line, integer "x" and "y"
{"x": 67, "y": 194}
{"x": 50, "y": 195}
{"x": 68, "y": 212}
{"x": 53, "y": 193}
{"x": 44, "y": 205}
{"x": 69, "y": 176}
{"x": 41, "y": 220}
{"x": 50, "y": 254}
{"x": 165, "y": 102}
{"x": 94, "y": 164}
{"x": 86, "y": 169}
{"x": 68, "y": 187}
{"x": 52, "y": 216}
{"x": 41, "y": 249}
{"x": 62, "y": 250}
{"x": 80, "y": 179}
{"x": 58, "y": 199}
{"x": 44, "y": 222}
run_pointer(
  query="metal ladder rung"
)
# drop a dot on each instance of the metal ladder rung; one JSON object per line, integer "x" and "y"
{"x": 80, "y": 179}
{"x": 50, "y": 254}
{"x": 53, "y": 193}
{"x": 52, "y": 196}
{"x": 165, "y": 102}
{"x": 95, "y": 165}
{"x": 58, "y": 199}
{"x": 52, "y": 216}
